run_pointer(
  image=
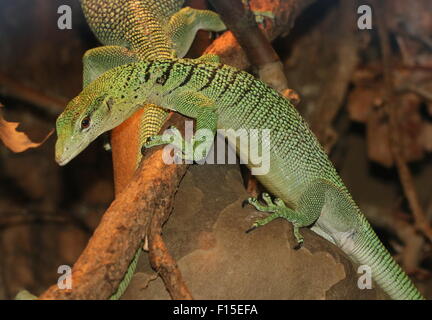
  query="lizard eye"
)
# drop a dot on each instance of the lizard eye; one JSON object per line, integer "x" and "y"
{"x": 85, "y": 123}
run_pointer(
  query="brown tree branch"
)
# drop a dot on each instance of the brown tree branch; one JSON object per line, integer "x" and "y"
{"x": 335, "y": 90}
{"x": 242, "y": 24}
{"x": 255, "y": 44}
{"x": 50, "y": 105}
{"x": 163, "y": 262}
{"x": 405, "y": 175}
{"x": 102, "y": 265}
{"x": 285, "y": 12}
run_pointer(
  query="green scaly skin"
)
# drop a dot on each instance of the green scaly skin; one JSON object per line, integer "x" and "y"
{"x": 219, "y": 96}
{"x": 135, "y": 30}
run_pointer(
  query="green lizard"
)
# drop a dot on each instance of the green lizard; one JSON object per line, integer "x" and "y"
{"x": 308, "y": 189}
{"x": 134, "y": 30}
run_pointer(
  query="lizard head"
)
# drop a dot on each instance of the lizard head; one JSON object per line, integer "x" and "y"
{"x": 80, "y": 123}
{"x": 101, "y": 106}
{"x": 107, "y": 102}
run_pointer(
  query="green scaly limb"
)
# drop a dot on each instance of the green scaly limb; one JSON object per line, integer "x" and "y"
{"x": 309, "y": 191}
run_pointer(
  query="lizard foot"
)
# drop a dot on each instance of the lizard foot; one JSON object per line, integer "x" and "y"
{"x": 278, "y": 209}
{"x": 185, "y": 150}
{"x": 270, "y": 206}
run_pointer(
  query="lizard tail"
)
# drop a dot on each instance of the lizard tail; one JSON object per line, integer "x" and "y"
{"x": 385, "y": 271}
{"x": 127, "y": 277}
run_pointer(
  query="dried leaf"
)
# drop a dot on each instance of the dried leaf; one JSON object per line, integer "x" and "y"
{"x": 15, "y": 140}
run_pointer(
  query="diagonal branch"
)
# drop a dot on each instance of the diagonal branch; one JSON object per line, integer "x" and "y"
{"x": 347, "y": 57}
{"x": 405, "y": 175}
{"x": 163, "y": 262}
{"x": 255, "y": 42}
{"x": 285, "y": 13}
{"x": 102, "y": 265}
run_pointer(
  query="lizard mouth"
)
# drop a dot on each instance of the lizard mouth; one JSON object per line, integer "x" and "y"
{"x": 65, "y": 156}
{"x": 62, "y": 162}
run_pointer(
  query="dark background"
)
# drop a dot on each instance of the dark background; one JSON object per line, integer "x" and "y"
{"x": 47, "y": 212}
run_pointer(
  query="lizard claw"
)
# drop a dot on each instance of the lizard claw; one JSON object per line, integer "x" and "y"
{"x": 254, "y": 226}
{"x": 298, "y": 245}
{"x": 144, "y": 147}
{"x": 245, "y": 203}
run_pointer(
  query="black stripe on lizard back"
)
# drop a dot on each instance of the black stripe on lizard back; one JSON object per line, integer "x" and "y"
{"x": 246, "y": 88}
{"x": 147, "y": 71}
{"x": 229, "y": 83}
{"x": 185, "y": 80}
{"x": 165, "y": 76}
{"x": 212, "y": 76}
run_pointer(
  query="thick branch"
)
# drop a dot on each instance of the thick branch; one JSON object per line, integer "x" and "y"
{"x": 250, "y": 37}
{"x": 285, "y": 12}
{"x": 255, "y": 44}
{"x": 106, "y": 258}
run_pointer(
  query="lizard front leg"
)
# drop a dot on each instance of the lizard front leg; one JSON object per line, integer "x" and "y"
{"x": 194, "y": 105}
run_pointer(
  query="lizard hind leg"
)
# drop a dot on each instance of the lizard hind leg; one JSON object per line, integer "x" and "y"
{"x": 278, "y": 209}
{"x": 184, "y": 25}
{"x": 305, "y": 214}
